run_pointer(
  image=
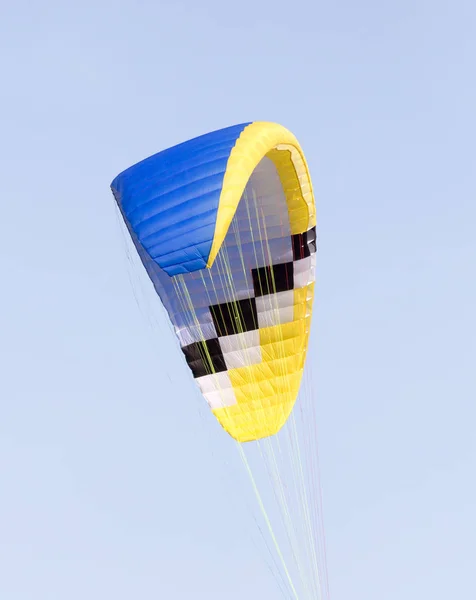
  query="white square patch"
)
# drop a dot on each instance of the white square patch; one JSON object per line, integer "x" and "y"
{"x": 217, "y": 389}
{"x": 304, "y": 271}
{"x": 243, "y": 358}
{"x": 241, "y": 349}
{"x": 275, "y": 309}
{"x": 239, "y": 341}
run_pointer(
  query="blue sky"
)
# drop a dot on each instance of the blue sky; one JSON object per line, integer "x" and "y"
{"x": 112, "y": 474}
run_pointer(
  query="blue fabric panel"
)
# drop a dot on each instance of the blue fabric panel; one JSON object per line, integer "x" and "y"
{"x": 170, "y": 200}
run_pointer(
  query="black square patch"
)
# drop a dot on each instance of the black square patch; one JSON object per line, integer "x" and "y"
{"x": 304, "y": 244}
{"x": 230, "y": 318}
{"x": 205, "y": 358}
{"x": 273, "y": 279}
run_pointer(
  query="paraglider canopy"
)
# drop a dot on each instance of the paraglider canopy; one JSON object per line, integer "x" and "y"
{"x": 225, "y": 227}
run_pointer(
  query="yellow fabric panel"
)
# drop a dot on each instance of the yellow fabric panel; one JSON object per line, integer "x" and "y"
{"x": 264, "y": 372}
{"x": 302, "y": 174}
{"x": 254, "y": 143}
{"x": 266, "y": 392}
{"x": 249, "y": 425}
{"x": 262, "y": 415}
{"x": 281, "y": 348}
{"x": 284, "y": 340}
{"x": 303, "y": 298}
{"x": 271, "y": 335}
{"x": 298, "y": 209}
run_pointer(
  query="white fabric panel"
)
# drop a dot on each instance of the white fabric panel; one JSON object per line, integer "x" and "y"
{"x": 214, "y": 382}
{"x": 217, "y": 390}
{"x": 275, "y": 309}
{"x": 276, "y": 301}
{"x": 265, "y": 186}
{"x": 239, "y": 341}
{"x": 243, "y": 358}
{"x": 220, "y": 399}
{"x": 276, "y": 317}
{"x": 196, "y": 333}
{"x": 304, "y": 271}
{"x": 241, "y": 349}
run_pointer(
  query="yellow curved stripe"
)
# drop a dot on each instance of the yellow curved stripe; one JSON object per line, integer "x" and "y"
{"x": 256, "y": 141}
{"x": 266, "y": 392}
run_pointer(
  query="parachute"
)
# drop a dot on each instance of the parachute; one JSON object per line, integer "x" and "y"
{"x": 225, "y": 225}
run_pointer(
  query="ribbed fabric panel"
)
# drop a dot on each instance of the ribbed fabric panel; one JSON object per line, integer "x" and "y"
{"x": 170, "y": 200}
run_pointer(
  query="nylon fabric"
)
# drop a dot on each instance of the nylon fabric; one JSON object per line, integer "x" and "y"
{"x": 177, "y": 188}
{"x": 229, "y": 245}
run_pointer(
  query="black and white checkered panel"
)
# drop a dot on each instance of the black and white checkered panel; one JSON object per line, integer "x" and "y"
{"x": 259, "y": 235}
{"x": 237, "y": 323}
{"x": 249, "y": 286}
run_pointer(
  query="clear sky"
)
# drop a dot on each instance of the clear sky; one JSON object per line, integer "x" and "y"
{"x": 110, "y": 485}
